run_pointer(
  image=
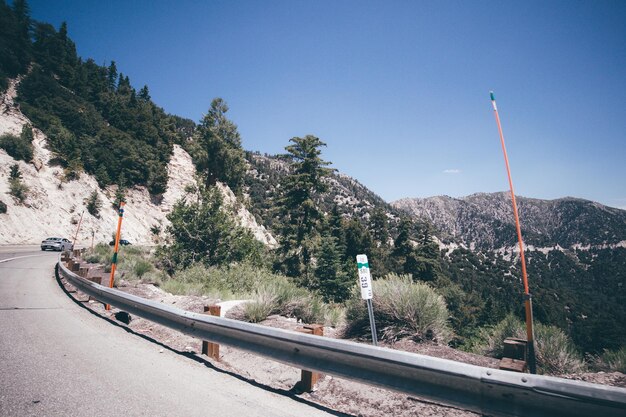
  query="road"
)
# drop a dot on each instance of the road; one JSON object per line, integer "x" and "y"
{"x": 57, "y": 359}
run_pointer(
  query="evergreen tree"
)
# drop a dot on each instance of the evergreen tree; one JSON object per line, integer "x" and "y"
{"x": 333, "y": 283}
{"x": 94, "y": 204}
{"x": 380, "y": 228}
{"x": 144, "y": 93}
{"x": 203, "y": 230}
{"x": 358, "y": 239}
{"x": 112, "y": 76}
{"x": 299, "y": 210}
{"x": 217, "y": 151}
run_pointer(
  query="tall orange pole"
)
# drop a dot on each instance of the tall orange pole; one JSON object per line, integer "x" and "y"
{"x": 530, "y": 334}
{"x": 116, "y": 248}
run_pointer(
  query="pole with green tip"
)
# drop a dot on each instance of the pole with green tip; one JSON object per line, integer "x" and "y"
{"x": 530, "y": 334}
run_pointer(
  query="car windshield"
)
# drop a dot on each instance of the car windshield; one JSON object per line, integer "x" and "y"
{"x": 53, "y": 238}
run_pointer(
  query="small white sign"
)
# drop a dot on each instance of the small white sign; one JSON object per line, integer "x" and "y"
{"x": 365, "y": 279}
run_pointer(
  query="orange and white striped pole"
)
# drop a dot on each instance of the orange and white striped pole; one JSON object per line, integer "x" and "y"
{"x": 116, "y": 248}
{"x": 530, "y": 333}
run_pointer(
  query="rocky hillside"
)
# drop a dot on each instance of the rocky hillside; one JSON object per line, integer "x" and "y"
{"x": 54, "y": 205}
{"x": 485, "y": 221}
{"x": 352, "y": 198}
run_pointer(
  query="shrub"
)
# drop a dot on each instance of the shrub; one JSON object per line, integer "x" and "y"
{"x": 18, "y": 189}
{"x": 281, "y": 296}
{"x": 554, "y": 351}
{"x": 402, "y": 308}
{"x": 94, "y": 204}
{"x": 611, "y": 361}
{"x": 238, "y": 279}
{"x": 100, "y": 254}
{"x": 492, "y": 338}
{"x": 14, "y": 172}
{"x": 335, "y": 316}
{"x": 264, "y": 303}
{"x": 19, "y": 147}
{"x": 142, "y": 267}
{"x": 3, "y": 207}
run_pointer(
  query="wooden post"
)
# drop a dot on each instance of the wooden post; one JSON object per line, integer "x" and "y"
{"x": 308, "y": 379}
{"x": 515, "y": 356}
{"x": 75, "y": 266}
{"x": 212, "y": 350}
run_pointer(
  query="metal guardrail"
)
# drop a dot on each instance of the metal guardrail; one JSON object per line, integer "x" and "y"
{"x": 491, "y": 392}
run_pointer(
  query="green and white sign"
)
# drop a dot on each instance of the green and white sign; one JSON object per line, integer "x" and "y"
{"x": 365, "y": 278}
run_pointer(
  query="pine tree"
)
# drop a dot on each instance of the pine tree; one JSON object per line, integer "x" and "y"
{"x": 203, "y": 230}
{"x": 380, "y": 229}
{"x": 112, "y": 76}
{"x": 331, "y": 280}
{"x": 299, "y": 210}
{"x": 217, "y": 150}
{"x": 144, "y": 93}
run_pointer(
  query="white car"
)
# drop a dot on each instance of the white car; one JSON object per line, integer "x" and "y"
{"x": 57, "y": 243}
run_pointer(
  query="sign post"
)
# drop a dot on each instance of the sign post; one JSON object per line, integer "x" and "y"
{"x": 365, "y": 284}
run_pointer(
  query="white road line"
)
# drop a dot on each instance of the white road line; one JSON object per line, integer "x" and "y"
{"x": 18, "y": 257}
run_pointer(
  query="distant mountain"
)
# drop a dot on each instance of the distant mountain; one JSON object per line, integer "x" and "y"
{"x": 576, "y": 259}
{"x": 485, "y": 221}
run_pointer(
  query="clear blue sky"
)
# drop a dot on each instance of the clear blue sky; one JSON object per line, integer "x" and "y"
{"x": 399, "y": 90}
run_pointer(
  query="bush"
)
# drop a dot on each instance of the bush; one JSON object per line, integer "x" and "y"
{"x": 281, "y": 296}
{"x": 142, "y": 267}
{"x": 611, "y": 361}
{"x": 555, "y": 352}
{"x": 100, "y": 254}
{"x": 19, "y": 147}
{"x": 492, "y": 338}
{"x": 3, "y": 207}
{"x": 238, "y": 279}
{"x": 94, "y": 204}
{"x": 18, "y": 189}
{"x": 402, "y": 308}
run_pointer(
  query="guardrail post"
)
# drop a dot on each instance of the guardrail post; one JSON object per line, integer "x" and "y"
{"x": 515, "y": 356}
{"x": 212, "y": 350}
{"x": 83, "y": 271}
{"x": 75, "y": 266}
{"x": 308, "y": 379}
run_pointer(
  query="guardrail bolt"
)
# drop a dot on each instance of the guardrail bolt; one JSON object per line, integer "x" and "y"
{"x": 308, "y": 379}
{"x": 212, "y": 350}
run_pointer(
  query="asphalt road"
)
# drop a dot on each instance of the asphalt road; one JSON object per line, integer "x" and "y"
{"x": 57, "y": 359}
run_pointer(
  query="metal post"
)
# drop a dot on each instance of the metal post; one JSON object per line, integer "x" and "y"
{"x": 370, "y": 311}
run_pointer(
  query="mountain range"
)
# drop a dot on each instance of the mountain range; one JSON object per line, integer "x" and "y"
{"x": 486, "y": 221}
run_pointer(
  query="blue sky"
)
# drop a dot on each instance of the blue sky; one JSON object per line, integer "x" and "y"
{"x": 399, "y": 90}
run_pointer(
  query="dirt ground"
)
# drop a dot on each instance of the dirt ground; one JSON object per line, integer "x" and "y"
{"x": 336, "y": 395}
